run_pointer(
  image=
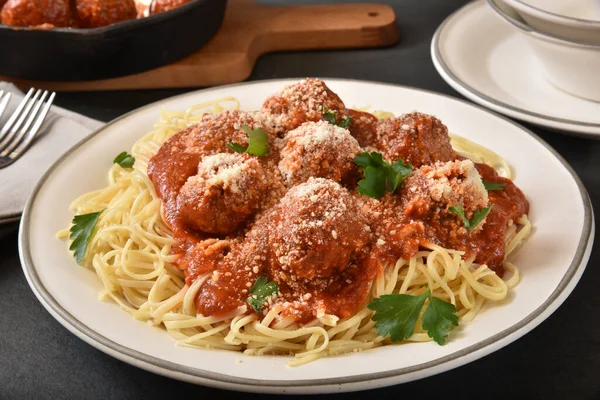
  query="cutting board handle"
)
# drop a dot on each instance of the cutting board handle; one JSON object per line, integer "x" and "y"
{"x": 322, "y": 26}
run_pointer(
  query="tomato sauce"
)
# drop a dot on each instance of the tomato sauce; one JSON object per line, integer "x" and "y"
{"x": 317, "y": 238}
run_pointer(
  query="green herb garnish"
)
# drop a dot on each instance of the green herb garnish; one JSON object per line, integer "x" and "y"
{"x": 82, "y": 232}
{"x": 439, "y": 317}
{"x": 401, "y": 171}
{"x": 261, "y": 289}
{"x": 396, "y": 315}
{"x": 330, "y": 116}
{"x": 493, "y": 185}
{"x": 380, "y": 175}
{"x": 238, "y": 148}
{"x": 258, "y": 142}
{"x": 125, "y": 160}
{"x": 478, "y": 216}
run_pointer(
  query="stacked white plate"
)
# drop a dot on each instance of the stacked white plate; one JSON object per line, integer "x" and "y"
{"x": 493, "y": 60}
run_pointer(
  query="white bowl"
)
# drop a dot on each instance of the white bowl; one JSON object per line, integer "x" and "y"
{"x": 573, "y": 67}
{"x": 577, "y": 20}
{"x": 583, "y": 10}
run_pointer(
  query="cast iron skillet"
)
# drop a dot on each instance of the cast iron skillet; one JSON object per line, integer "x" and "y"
{"x": 124, "y": 48}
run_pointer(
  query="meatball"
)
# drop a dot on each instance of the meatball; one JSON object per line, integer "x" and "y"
{"x": 432, "y": 189}
{"x": 214, "y": 131}
{"x": 416, "y": 138}
{"x": 50, "y": 13}
{"x": 299, "y": 103}
{"x": 226, "y": 191}
{"x": 178, "y": 158}
{"x": 317, "y": 149}
{"x": 315, "y": 233}
{"x": 159, "y": 6}
{"x": 363, "y": 127}
{"x": 97, "y": 13}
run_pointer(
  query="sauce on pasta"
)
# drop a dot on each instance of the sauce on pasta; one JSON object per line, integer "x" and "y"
{"x": 295, "y": 215}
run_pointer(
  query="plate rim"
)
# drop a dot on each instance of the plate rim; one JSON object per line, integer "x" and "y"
{"x": 588, "y": 129}
{"x": 197, "y": 375}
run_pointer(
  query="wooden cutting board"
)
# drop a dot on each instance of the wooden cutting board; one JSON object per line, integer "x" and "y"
{"x": 250, "y": 30}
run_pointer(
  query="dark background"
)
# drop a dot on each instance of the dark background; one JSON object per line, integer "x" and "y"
{"x": 560, "y": 359}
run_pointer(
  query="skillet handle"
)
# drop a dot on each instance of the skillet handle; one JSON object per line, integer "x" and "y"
{"x": 249, "y": 31}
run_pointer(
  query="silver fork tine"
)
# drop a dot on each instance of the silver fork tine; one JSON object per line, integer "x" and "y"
{"x": 4, "y": 101}
{"x": 15, "y": 128}
{"x": 15, "y": 115}
{"x": 34, "y": 129}
{"x": 19, "y": 138}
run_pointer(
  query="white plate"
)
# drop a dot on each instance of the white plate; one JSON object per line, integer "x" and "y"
{"x": 488, "y": 61}
{"x": 551, "y": 262}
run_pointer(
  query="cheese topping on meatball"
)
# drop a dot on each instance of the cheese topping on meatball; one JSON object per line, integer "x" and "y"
{"x": 320, "y": 150}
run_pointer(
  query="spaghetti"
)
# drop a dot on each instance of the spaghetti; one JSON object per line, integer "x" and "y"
{"x": 132, "y": 252}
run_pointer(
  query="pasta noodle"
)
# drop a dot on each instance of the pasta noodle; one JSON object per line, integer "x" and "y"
{"x": 131, "y": 254}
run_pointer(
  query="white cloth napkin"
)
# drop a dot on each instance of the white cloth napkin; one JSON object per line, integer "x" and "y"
{"x": 61, "y": 130}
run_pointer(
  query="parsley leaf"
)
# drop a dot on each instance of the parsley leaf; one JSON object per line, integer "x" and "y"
{"x": 396, "y": 315}
{"x": 345, "y": 122}
{"x": 380, "y": 175}
{"x": 493, "y": 185}
{"x": 261, "y": 289}
{"x": 374, "y": 182}
{"x": 401, "y": 171}
{"x": 125, "y": 160}
{"x": 238, "y": 148}
{"x": 458, "y": 210}
{"x": 373, "y": 159}
{"x": 330, "y": 116}
{"x": 478, "y": 216}
{"x": 81, "y": 233}
{"x": 258, "y": 142}
{"x": 438, "y": 319}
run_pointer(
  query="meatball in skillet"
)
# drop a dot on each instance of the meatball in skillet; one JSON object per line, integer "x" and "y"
{"x": 97, "y": 13}
{"x": 159, "y": 6}
{"x": 44, "y": 13}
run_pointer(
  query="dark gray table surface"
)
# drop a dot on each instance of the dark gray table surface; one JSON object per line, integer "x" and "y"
{"x": 560, "y": 359}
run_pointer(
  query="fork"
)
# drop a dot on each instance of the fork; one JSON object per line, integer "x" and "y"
{"x": 22, "y": 126}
